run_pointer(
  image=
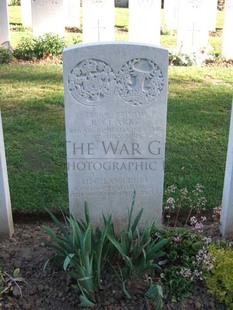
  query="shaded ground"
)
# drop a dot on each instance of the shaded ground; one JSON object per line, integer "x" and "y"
{"x": 51, "y": 289}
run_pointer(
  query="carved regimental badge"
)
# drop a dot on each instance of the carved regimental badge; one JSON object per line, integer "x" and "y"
{"x": 140, "y": 82}
{"x": 91, "y": 81}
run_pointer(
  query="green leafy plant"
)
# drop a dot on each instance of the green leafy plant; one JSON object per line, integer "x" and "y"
{"x": 139, "y": 253}
{"x": 25, "y": 49}
{"x": 5, "y": 55}
{"x": 15, "y": 2}
{"x": 180, "y": 265}
{"x": 155, "y": 292}
{"x": 218, "y": 279}
{"x": 11, "y": 283}
{"x": 44, "y": 46}
{"x": 48, "y": 45}
{"x": 82, "y": 251}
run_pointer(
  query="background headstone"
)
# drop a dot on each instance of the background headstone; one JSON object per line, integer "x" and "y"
{"x": 72, "y": 13}
{"x": 171, "y": 14}
{"x": 213, "y": 11}
{"x": 144, "y": 21}
{"x": 227, "y": 44}
{"x": 6, "y": 221}
{"x": 98, "y": 20}
{"x": 48, "y": 16}
{"x": 226, "y": 220}
{"x": 193, "y": 25}
{"x": 4, "y": 24}
{"x": 115, "y": 115}
{"x": 26, "y": 13}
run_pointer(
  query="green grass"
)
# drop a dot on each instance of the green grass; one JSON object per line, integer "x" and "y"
{"x": 32, "y": 108}
{"x": 14, "y": 13}
{"x": 31, "y": 98}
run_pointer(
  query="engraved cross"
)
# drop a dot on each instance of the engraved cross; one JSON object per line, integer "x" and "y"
{"x": 99, "y": 29}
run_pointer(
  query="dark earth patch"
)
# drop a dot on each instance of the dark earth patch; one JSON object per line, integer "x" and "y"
{"x": 51, "y": 289}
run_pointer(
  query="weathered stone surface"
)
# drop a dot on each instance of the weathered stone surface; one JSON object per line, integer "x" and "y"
{"x": 115, "y": 111}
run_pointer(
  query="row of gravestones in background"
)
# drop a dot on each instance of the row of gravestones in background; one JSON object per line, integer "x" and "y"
{"x": 124, "y": 3}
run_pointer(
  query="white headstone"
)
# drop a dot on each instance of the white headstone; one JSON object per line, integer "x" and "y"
{"x": 115, "y": 114}
{"x": 26, "y": 13}
{"x": 227, "y": 45}
{"x": 4, "y": 24}
{"x": 171, "y": 14}
{"x": 48, "y": 16}
{"x": 212, "y": 16}
{"x": 193, "y": 25}
{"x": 226, "y": 220}
{"x": 144, "y": 21}
{"x": 98, "y": 20}
{"x": 73, "y": 13}
{"x": 6, "y": 221}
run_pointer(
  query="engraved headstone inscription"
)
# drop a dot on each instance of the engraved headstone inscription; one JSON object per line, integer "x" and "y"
{"x": 115, "y": 115}
{"x": 98, "y": 20}
{"x": 48, "y": 16}
{"x": 6, "y": 221}
{"x": 144, "y": 21}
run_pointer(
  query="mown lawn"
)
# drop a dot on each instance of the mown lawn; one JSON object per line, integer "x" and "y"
{"x": 33, "y": 118}
{"x": 31, "y": 99}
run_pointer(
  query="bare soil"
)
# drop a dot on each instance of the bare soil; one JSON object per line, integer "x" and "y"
{"x": 51, "y": 289}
